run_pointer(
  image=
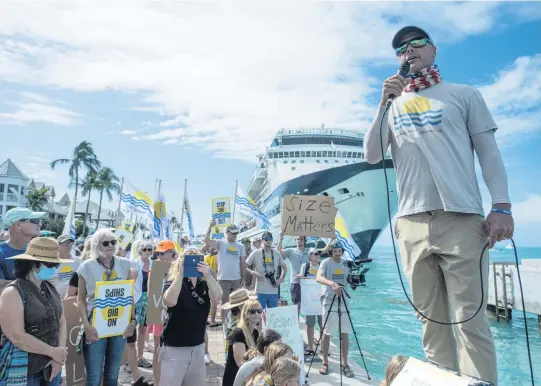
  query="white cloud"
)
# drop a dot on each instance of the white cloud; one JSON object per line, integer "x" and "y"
{"x": 230, "y": 74}
{"x": 28, "y": 112}
{"x": 128, "y": 132}
{"x": 524, "y": 212}
{"x": 513, "y": 97}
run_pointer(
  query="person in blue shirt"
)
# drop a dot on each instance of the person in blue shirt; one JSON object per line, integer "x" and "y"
{"x": 23, "y": 225}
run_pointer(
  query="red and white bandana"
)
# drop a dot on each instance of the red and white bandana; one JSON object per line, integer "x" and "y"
{"x": 425, "y": 78}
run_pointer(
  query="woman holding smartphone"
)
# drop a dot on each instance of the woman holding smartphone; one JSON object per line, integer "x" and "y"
{"x": 182, "y": 353}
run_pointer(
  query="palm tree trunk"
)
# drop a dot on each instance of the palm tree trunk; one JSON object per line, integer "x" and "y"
{"x": 99, "y": 209}
{"x": 76, "y": 185}
{"x": 86, "y": 214}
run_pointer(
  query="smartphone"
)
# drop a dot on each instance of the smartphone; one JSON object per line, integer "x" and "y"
{"x": 190, "y": 265}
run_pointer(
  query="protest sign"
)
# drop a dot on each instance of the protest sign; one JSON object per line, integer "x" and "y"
{"x": 112, "y": 307}
{"x": 156, "y": 307}
{"x": 221, "y": 211}
{"x": 308, "y": 216}
{"x": 217, "y": 234}
{"x": 284, "y": 320}
{"x": 75, "y": 365}
{"x": 311, "y": 297}
{"x": 124, "y": 236}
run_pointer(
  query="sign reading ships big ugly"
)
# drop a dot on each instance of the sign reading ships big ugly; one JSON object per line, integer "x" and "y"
{"x": 308, "y": 216}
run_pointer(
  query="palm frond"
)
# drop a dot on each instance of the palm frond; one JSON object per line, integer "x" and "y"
{"x": 59, "y": 161}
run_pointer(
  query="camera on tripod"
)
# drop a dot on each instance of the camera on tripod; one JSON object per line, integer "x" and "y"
{"x": 357, "y": 276}
{"x": 270, "y": 276}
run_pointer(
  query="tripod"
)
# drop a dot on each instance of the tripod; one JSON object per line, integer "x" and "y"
{"x": 340, "y": 301}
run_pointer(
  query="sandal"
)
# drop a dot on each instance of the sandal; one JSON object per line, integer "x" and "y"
{"x": 215, "y": 324}
{"x": 309, "y": 352}
{"x": 346, "y": 370}
{"x": 324, "y": 369}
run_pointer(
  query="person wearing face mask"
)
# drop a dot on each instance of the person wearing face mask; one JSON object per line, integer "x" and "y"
{"x": 31, "y": 313}
{"x": 102, "y": 356}
{"x": 433, "y": 128}
{"x": 23, "y": 224}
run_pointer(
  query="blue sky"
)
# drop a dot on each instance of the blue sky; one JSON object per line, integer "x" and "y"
{"x": 169, "y": 91}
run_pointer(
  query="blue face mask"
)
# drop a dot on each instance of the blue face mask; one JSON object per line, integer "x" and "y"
{"x": 45, "y": 273}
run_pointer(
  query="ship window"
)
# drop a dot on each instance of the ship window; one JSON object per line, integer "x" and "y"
{"x": 343, "y": 191}
{"x": 293, "y": 161}
{"x": 318, "y": 161}
{"x": 325, "y": 193}
{"x": 326, "y": 161}
{"x": 318, "y": 154}
{"x": 297, "y": 154}
{"x": 347, "y": 161}
{"x": 336, "y": 161}
{"x": 362, "y": 155}
{"x": 301, "y": 161}
{"x": 303, "y": 154}
{"x": 324, "y": 154}
{"x": 349, "y": 154}
{"x": 285, "y": 161}
{"x": 334, "y": 154}
{"x": 281, "y": 155}
{"x": 293, "y": 168}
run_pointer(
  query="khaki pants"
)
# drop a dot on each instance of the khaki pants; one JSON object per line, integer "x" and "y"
{"x": 440, "y": 255}
{"x": 182, "y": 366}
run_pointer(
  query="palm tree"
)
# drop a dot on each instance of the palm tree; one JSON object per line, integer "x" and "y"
{"x": 37, "y": 198}
{"x": 106, "y": 182}
{"x": 88, "y": 185}
{"x": 83, "y": 156}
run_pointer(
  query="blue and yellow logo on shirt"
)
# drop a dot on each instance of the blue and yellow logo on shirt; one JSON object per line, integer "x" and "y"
{"x": 418, "y": 113}
{"x": 64, "y": 272}
{"x": 114, "y": 276}
{"x": 337, "y": 274}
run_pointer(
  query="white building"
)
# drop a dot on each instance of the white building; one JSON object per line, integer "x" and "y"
{"x": 13, "y": 188}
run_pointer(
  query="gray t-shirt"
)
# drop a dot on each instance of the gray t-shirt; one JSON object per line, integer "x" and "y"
{"x": 92, "y": 272}
{"x": 263, "y": 265}
{"x": 432, "y": 149}
{"x": 247, "y": 369}
{"x": 296, "y": 258}
{"x": 64, "y": 274}
{"x": 228, "y": 261}
{"x": 312, "y": 270}
{"x": 337, "y": 272}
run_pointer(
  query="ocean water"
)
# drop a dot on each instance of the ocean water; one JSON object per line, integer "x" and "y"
{"x": 386, "y": 325}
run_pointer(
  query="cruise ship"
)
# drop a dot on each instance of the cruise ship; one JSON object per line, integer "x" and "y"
{"x": 326, "y": 162}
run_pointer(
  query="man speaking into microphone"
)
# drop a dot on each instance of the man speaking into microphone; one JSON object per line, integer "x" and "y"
{"x": 433, "y": 127}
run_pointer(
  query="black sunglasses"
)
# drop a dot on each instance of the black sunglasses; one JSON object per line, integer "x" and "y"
{"x": 267, "y": 239}
{"x": 196, "y": 296}
{"x": 51, "y": 265}
{"x": 35, "y": 221}
{"x": 107, "y": 242}
{"x": 146, "y": 250}
{"x": 254, "y": 311}
{"x": 318, "y": 253}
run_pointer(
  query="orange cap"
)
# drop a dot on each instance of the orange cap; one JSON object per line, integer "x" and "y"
{"x": 164, "y": 246}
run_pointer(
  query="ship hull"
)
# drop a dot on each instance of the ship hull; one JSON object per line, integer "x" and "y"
{"x": 359, "y": 193}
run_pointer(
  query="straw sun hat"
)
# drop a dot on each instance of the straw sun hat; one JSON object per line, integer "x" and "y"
{"x": 238, "y": 298}
{"x": 44, "y": 249}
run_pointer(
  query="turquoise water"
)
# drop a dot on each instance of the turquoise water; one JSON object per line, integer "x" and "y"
{"x": 386, "y": 325}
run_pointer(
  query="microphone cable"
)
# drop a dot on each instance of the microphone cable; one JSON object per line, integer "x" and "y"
{"x": 389, "y": 103}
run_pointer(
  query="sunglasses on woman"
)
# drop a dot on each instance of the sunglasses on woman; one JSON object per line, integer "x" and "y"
{"x": 51, "y": 265}
{"x": 415, "y": 43}
{"x": 146, "y": 250}
{"x": 107, "y": 242}
{"x": 254, "y": 311}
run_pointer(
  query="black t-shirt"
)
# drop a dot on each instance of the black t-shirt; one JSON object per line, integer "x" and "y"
{"x": 74, "y": 281}
{"x": 186, "y": 322}
{"x": 231, "y": 368}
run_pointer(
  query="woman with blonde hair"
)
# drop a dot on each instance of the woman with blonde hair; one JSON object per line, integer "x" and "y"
{"x": 394, "y": 367}
{"x": 243, "y": 338}
{"x": 282, "y": 371}
{"x": 182, "y": 354}
{"x": 102, "y": 356}
{"x": 272, "y": 353}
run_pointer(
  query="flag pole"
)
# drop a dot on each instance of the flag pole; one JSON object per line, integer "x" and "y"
{"x": 162, "y": 231}
{"x": 182, "y": 212}
{"x": 234, "y": 202}
{"x": 120, "y": 198}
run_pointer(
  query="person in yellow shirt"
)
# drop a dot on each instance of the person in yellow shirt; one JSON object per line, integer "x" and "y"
{"x": 210, "y": 259}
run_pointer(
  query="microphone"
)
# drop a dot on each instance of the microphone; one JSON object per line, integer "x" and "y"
{"x": 403, "y": 71}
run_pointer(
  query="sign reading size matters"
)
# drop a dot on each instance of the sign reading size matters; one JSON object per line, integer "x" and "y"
{"x": 308, "y": 216}
{"x": 113, "y": 304}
